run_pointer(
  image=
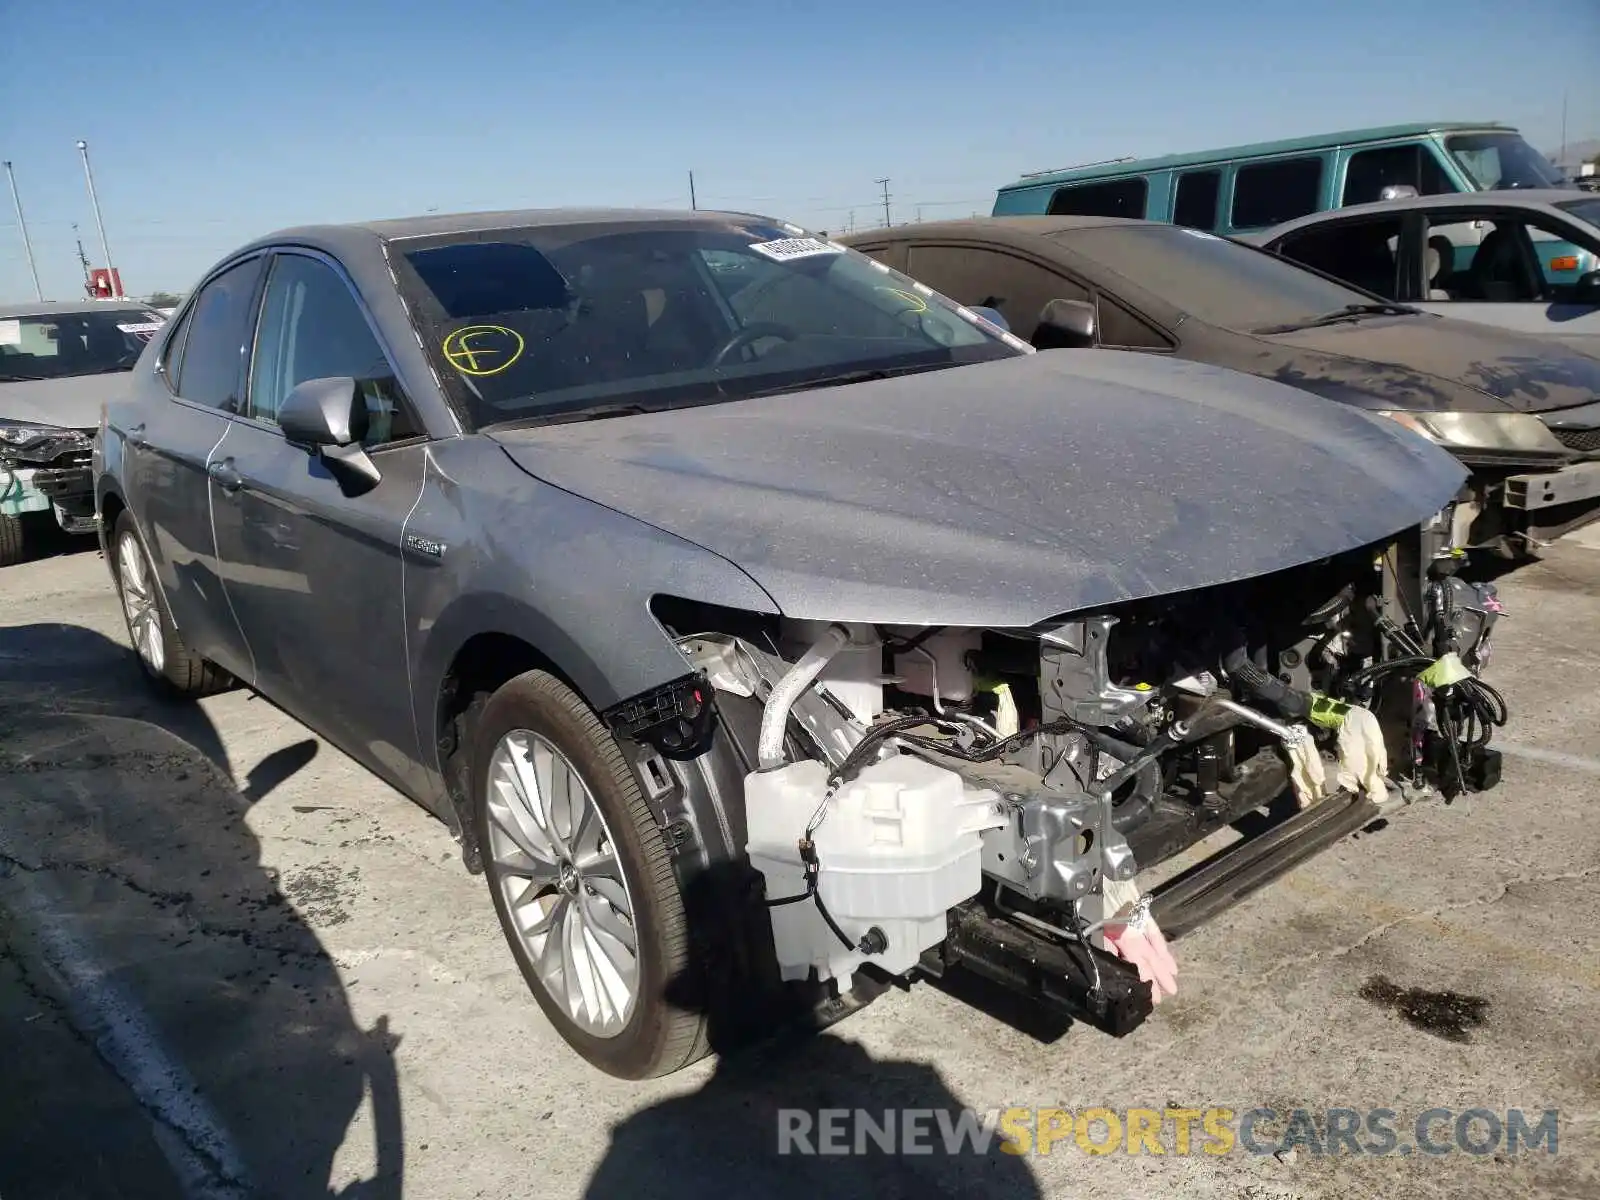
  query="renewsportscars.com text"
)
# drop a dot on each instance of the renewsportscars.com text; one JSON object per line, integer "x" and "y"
{"x": 1167, "y": 1131}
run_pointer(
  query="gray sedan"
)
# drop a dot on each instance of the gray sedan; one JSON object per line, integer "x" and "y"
{"x": 1524, "y": 260}
{"x": 764, "y": 625}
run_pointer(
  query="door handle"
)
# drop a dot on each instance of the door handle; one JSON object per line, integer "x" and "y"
{"x": 136, "y": 434}
{"x": 225, "y": 476}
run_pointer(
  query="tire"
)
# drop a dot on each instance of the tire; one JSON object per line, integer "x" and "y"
{"x": 13, "y": 545}
{"x": 174, "y": 669}
{"x": 536, "y": 719}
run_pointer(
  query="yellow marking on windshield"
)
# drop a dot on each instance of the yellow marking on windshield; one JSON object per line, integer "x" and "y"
{"x": 468, "y": 351}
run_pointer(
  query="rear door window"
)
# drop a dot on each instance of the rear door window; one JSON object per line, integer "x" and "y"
{"x": 1194, "y": 203}
{"x": 218, "y": 338}
{"x": 1271, "y": 192}
{"x": 1113, "y": 198}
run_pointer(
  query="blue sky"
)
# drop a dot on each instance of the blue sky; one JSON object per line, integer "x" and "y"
{"x": 209, "y": 124}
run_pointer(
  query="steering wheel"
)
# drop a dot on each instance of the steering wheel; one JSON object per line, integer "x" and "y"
{"x": 750, "y": 334}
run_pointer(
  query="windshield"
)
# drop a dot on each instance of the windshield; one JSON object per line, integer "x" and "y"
{"x": 1584, "y": 210}
{"x": 540, "y": 321}
{"x": 87, "y": 342}
{"x": 1502, "y": 160}
{"x": 1212, "y": 279}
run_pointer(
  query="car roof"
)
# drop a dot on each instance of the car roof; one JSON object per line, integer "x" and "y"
{"x": 1317, "y": 141}
{"x": 1003, "y": 229}
{"x": 64, "y": 308}
{"x": 1533, "y": 198}
{"x": 370, "y": 233}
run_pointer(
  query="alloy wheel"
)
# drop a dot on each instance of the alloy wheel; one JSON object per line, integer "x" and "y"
{"x": 139, "y": 604}
{"x": 564, "y": 888}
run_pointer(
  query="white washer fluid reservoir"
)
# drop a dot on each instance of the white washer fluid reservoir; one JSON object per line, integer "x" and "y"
{"x": 899, "y": 845}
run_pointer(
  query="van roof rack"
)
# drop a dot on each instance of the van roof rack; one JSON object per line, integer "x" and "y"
{"x": 1099, "y": 162}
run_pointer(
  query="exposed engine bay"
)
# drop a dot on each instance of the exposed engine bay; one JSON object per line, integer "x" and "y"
{"x": 920, "y": 797}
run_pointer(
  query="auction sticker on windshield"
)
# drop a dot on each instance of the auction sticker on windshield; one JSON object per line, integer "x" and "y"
{"x": 10, "y": 333}
{"x": 785, "y": 249}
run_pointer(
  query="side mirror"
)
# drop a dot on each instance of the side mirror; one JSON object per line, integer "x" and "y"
{"x": 330, "y": 416}
{"x": 1066, "y": 325}
{"x": 991, "y": 315}
{"x": 324, "y": 412}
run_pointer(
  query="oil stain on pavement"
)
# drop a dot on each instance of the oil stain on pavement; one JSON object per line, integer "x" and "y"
{"x": 1447, "y": 1015}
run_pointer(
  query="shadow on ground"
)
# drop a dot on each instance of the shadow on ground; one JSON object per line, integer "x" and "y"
{"x": 730, "y": 1138}
{"x": 168, "y": 1023}
{"x": 757, "y": 1127}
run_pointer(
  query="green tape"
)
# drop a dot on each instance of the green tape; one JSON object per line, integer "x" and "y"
{"x": 1327, "y": 712}
{"x": 1449, "y": 669}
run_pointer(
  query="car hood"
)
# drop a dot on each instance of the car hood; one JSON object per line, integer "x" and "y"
{"x": 71, "y": 403}
{"x": 1008, "y": 492}
{"x": 1437, "y": 363}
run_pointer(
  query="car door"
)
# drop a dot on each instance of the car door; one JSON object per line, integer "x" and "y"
{"x": 313, "y": 569}
{"x": 167, "y": 451}
{"x": 1516, "y": 268}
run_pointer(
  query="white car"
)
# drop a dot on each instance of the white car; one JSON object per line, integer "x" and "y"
{"x": 1522, "y": 259}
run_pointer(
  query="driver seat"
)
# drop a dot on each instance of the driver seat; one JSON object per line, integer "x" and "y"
{"x": 1499, "y": 271}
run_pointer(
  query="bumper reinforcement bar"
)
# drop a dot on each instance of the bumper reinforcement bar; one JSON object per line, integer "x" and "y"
{"x": 1219, "y": 883}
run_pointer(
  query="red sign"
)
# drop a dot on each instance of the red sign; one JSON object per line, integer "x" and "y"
{"x": 105, "y": 283}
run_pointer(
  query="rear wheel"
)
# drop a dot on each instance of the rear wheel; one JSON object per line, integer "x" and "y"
{"x": 581, "y": 880}
{"x": 12, "y": 543}
{"x": 166, "y": 661}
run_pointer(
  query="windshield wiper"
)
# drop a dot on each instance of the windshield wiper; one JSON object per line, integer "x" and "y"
{"x": 847, "y": 377}
{"x": 592, "y": 412}
{"x": 1350, "y": 312}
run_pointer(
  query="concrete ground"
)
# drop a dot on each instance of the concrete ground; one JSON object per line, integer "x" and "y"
{"x": 233, "y": 963}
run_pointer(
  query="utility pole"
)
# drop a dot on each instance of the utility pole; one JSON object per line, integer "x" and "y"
{"x": 23, "y": 225}
{"x": 105, "y": 246}
{"x": 692, "y": 203}
{"x": 851, "y": 228}
{"x": 885, "y": 185}
{"x": 83, "y": 259}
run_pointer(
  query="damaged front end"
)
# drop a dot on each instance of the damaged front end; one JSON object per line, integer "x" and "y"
{"x": 45, "y": 469}
{"x": 921, "y": 798}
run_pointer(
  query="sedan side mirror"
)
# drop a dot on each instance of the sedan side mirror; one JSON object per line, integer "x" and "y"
{"x": 330, "y": 416}
{"x": 1066, "y": 325}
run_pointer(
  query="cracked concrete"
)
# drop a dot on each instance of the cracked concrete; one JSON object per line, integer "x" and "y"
{"x": 304, "y": 944}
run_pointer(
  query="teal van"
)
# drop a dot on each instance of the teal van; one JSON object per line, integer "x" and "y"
{"x": 1242, "y": 189}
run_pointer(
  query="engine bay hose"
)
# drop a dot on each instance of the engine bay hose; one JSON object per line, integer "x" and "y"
{"x": 1292, "y": 703}
{"x": 775, "y": 716}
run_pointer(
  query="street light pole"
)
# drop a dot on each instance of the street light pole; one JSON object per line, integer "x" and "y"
{"x": 105, "y": 246}
{"x": 23, "y": 225}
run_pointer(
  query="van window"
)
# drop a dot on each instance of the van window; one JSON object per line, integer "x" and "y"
{"x": 1113, "y": 198}
{"x": 1195, "y": 203}
{"x": 1270, "y": 192}
{"x": 1370, "y": 171}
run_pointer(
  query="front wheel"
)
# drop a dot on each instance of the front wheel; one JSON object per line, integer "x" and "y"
{"x": 167, "y": 662}
{"x": 581, "y": 880}
{"x": 13, "y": 545}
